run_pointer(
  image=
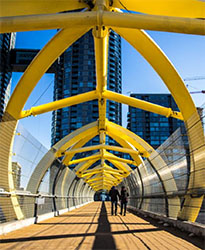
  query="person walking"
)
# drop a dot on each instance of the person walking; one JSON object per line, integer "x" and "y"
{"x": 124, "y": 199}
{"x": 114, "y": 194}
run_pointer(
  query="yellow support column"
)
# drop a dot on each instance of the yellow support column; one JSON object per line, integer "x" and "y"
{"x": 101, "y": 36}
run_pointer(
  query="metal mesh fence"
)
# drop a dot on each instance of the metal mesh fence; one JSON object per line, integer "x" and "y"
{"x": 168, "y": 177}
{"x": 48, "y": 197}
{"x": 159, "y": 185}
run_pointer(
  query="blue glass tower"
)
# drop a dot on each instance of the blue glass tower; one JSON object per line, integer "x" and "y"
{"x": 153, "y": 128}
{"x": 75, "y": 75}
{"x": 7, "y": 42}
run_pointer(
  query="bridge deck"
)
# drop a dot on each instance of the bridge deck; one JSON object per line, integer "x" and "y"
{"x": 92, "y": 227}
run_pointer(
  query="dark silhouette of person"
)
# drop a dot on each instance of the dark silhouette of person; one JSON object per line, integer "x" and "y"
{"x": 114, "y": 194}
{"x": 124, "y": 199}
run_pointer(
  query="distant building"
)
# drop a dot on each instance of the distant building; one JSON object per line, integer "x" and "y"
{"x": 153, "y": 128}
{"x": 7, "y": 42}
{"x": 16, "y": 172}
{"x": 75, "y": 75}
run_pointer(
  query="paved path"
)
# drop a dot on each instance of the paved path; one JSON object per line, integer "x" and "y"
{"x": 92, "y": 227}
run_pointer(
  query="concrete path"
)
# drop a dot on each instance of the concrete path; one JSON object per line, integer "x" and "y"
{"x": 93, "y": 227}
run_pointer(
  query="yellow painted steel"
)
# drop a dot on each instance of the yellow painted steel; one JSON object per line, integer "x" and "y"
{"x": 84, "y": 159}
{"x": 80, "y": 143}
{"x": 48, "y": 21}
{"x": 176, "y": 8}
{"x": 88, "y": 130}
{"x": 90, "y": 180}
{"x": 152, "y": 53}
{"x": 68, "y": 158}
{"x": 84, "y": 167}
{"x": 137, "y": 21}
{"x": 141, "y": 41}
{"x": 101, "y": 56}
{"x": 86, "y": 176}
{"x": 69, "y": 101}
{"x": 137, "y": 103}
{"x": 157, "y": 23}
{"x": 32, "y": 7}
{"x": 40, "y": 64}
{"x": 113, "y": 157}
{"x": 178, "y": 16}
{"x": 116, "y": 131}
{"x": 101, "y": 146}
{"x": 102, "y": 182}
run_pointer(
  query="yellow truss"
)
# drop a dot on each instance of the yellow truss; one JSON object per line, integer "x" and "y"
{"x": 169, "y": 15}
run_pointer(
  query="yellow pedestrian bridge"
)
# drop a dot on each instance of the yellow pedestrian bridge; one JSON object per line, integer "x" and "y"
{"x": 168, "y": 181}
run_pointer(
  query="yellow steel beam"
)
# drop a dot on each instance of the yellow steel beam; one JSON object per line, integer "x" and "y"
{"x": 124, "y": 142}
{"x": 88, "y": 131}
{"x": 101, "y": 57}
{"x": 137, "y": 103}
{"x": 102, "y": 135}
{"x": 110, "y": 176}
{"x": 104, "y": 171}
{"x": 66, "y": 102}
{"x": 98, "y": 169}
{"x": 90, "y": 180}
{"x": 100, "y": 186}
{"x": 84, "y": 149}
{"x": 48, "y": 21}
{"x": 106, "y": 167}
{"x": 176, "y": 8}
{"x": 103, "y": 177}
{"x": 103, "y": 187}
{"x": 152, "y": 53}
{"x": 113, "y": 157}
{"x": 161, "y": 64}
{"x": 102, "y": 182}
{"x": 101, "y": 36}
{"x": 32, "y": 7}
{"x": 118, "y": 132}
{"x": 101, "y": 169}
{"x": 91, "y": 173}
{"x": 84, "y": 167}
{"x": 123, "y": 165}
{"x": 40, "y": 64}
{"x": 92, "y": 157}
{"x": 115, "y": 173}
{"x": 86, "y": 176}
{"x": 157, "y": 23}
{"x": 78, "y": 144}
{"x": 68, "y": 158}
{"x": 101, "y": 146}
{"x": 116, "y": 179}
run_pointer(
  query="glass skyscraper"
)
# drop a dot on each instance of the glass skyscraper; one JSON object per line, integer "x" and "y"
{"x": 153, "y": 128}
{"x": 7, "y": 42}
{"x": 76, "y": 75}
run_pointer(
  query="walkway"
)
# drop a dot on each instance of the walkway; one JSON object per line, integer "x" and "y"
{"x": 92, "y": 227}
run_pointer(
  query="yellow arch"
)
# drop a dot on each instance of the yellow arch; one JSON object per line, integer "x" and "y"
{"x": 176, "y": 8}
{"x": 52, "y": 50}
{"x": 143, "y": 44}
{"x": 153, "y": 54}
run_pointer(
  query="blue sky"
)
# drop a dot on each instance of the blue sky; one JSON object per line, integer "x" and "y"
{"x": 187, "y": 53}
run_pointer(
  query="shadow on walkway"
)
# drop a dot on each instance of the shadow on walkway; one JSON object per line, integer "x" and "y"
{"x": 103, "y": 235}
{"x": 195, "y": 240}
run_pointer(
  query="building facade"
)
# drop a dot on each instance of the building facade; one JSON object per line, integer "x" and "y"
{"x": 75, "y": 75}
{"x": 153, "y": 128}
{"x": 7, "y": 43}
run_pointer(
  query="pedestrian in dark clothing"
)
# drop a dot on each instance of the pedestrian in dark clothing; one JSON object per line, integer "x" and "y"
{"x": 114, "y": 194}
{"x": 124, "y": 200}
